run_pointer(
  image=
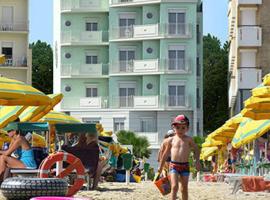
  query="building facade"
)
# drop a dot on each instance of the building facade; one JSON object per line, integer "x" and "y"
{"x": 130, "y": 64}
{"x": 249, "y": 55}
{"x": 14, "y": 33}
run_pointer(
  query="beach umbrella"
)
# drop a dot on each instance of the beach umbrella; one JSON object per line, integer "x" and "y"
{"x": 256, "y": 114}
{"x": 258, "y": 103}
{"x": 261, "y": 91}
{"x": 57, "y": 117}
{"x": 10, "y": 114}
{"x": 209, "y": 142}
{"x": 207, "y": 152}
{"x": 34, "y": 113}
{"x": 266, "y": 80}
{"x": 250, "y": 130}
{"x": 4, "y": 138}
{"x": 2, "y": 59}
{"x": 235, "y": 121}
{"x": 14, "y": 93}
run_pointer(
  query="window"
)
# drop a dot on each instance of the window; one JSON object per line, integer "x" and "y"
{"x": 177, "y": 22}
{"x": 126, "y": 57}
{"x": 91, "y": 26}
{"x": 91, "y": 120}
{"x": 91, "y": 91}
{"x": 177, "y": 59}
{"x": 126, "y": 22}
{"x": 147, "y": 125}
{"x": 7, "y": 50}
{"x": 118, "y": 124}
{"x": 198, "y": 98}
{"x": 176, "y": 95}
{"x": 198, "y": 127}
{"x": 7, "y": 18}
{"x": 198, "y": 67}
{"x": 90, "y": 59}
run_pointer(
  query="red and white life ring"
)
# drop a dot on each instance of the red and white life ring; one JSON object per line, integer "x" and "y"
{"x": 74, "y": 164}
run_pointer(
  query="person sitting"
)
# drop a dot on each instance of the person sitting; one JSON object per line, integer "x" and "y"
{"x": 20, "y": 145}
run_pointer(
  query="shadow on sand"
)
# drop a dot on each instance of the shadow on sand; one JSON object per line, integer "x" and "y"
{"x": 115, "y": 189}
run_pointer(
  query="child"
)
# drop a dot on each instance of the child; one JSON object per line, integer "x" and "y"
{"x": 179, "y": 146}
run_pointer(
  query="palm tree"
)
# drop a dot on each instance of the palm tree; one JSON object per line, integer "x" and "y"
{"x": 140, "y": 144}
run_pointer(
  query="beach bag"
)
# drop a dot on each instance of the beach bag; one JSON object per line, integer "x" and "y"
{"x": 164, "y": 185}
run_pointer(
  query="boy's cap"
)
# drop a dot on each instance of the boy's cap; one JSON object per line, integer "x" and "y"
{"x": 13, "y": 126}
{"x": 180, "y": 119}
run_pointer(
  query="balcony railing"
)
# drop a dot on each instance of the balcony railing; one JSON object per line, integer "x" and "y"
{"x": 139, "y": 102}
{"x": 152, "y": 137}
{"x": 84, "y": 5}
{"x": 124, "y": 2}
{"x": 249, "y": 36}
{"x": 84, "y": 70}
{"x": 13, "y": 26}
{"x": 249, "y": 78}
{"x": 173, "y": 101}
{"x": 248, "y": 2}
{"x": 15, "y": 61}
{"x": 95, "y": 37}
{"x": 86, "y": 102}
{"x": 178, "y": 30}
{"x": 151, "y": 66}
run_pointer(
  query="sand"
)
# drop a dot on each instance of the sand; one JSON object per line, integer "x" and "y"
{"x": 147, "y": 191}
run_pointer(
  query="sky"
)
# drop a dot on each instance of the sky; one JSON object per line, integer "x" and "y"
{"x": 41, "y": 19}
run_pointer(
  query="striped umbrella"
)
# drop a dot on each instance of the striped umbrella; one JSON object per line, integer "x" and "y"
{"x": 250, "y": 130}
{"x": 57, "y": 117}
{"x": 10, "y": 114}
{"x": 13, "y": 93}
{"x": 207, "y": 152}
{"x": 34, "y": 113}
{"x": 256, "y": 114}
{"x": 209, "y": 142}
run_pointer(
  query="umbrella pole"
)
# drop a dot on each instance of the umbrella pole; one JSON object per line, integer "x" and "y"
{"x": 265, "y": 154}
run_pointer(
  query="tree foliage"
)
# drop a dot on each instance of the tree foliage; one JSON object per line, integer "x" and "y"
{"x": 140, "y": 144}
{"x": 42, "y": 66}
{"x": 215, "y": 83}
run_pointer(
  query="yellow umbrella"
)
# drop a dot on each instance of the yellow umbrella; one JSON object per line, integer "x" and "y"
{"x": 58, "y": 117}
{"x": 34, "y": 113}
{"x": 10, "y": 114}
{"x": 256, "y": 114}
{"x": 209, "y": 142}
{"x": 4, "y": 138}
{"x": 261, "y": 91}
{"x": 2, "y": 59}
{"x": 258, "y": 103}
{"x": 235, "y": 121}
{"x": 13, "y": 92}
{"x": 207, "y": 152}
{"x": 250, "y": 130}
{"x": 266, "y": 80}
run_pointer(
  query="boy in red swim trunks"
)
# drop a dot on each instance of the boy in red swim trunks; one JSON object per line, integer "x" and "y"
{"x": 179, "y": 146}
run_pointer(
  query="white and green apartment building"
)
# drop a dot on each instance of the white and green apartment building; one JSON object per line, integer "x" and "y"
{"x": 14, "y": 33}
{"x": 130, "y": 64}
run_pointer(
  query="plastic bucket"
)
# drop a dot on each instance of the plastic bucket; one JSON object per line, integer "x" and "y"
{"x": 164, "y": 185}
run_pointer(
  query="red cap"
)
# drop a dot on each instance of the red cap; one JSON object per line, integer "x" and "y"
{"x": 181, "y": 119}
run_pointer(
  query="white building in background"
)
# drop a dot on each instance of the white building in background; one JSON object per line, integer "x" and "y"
{"x": 14, "y": 33}
{"x": 249, "y": 58}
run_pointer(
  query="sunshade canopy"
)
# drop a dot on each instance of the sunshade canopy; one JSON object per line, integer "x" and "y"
{"x": 250, "y": 130}
{"x": 258, "y": 103}
{"x": 208, "y": 151}
{"x": 76, "y": 128}
{"x": 212, "y": 143}
{"x": 261, "y": 91}
{"x": 58, "y": 117}
{"x": 10, "y": 114}
{"x": 13, "y": 92}
{"x": 256, "y": 114}
{"x": 34, "y": 113}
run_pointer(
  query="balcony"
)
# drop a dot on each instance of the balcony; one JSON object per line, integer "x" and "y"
{"x": 250, "y": 36}
{"x": 151, "y": 66}
{"x": 84, "y": 70}
{"x": 232, "y": 92}
{"x": 152, "y": 137}
{"x": 84, "y": 38}
{"x": 119, "y": 3}
{"x": 83, "y": 103}
{"x": 177, "y": 102}
{"x": 249, "y": 78}
{"x": 151, "y": 31}
{"x": 136, "y": 102}
{"x": 15, "y": 62}
{"x": 14, "y": 26}
{"x": 249, "y": 2}
{"x": 84, "y": 6}
{"x": 135, "y": 67}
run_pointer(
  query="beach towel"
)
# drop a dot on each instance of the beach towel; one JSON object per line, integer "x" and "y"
{"x": 255, "y": 184}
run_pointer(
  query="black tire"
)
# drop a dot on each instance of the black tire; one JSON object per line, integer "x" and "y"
{"x": 26, "y": 188}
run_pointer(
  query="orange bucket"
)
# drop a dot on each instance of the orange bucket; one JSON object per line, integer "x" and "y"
{"x": 164, "y": 185}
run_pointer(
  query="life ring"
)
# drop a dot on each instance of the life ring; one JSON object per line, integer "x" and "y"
{"x": 74, "y": 164}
